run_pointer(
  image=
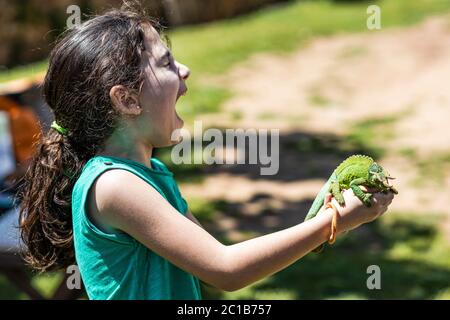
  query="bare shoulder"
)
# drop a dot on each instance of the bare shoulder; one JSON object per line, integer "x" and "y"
{"x": 116, "y": 194}
{"x": 113, "y": 182}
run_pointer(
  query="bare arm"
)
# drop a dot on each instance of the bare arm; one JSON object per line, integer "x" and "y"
{"x": 144, "y": 214}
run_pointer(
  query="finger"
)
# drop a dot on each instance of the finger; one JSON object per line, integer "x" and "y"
{"x": 327, "y": 199}
{"x": 388, "y": 198}
{"x": 336, "y": 204}
{"x": 376, "y": 200}
{"x": 368, "y": 190}
{"x": 389, "y": 202}
{"x": 379, "y": 208}
{"x": 381, "y": 198}
{"x": 391, "y": 195}
{"x": 384, "y": 209}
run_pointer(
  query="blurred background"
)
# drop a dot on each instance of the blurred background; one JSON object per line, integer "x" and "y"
{"x": 312, "y": 69}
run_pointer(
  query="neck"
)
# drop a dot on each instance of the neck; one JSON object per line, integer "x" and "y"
{"x": 122, "y": 144}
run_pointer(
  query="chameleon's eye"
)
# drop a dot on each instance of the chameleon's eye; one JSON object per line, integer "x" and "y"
{"x": 375, "y": 168}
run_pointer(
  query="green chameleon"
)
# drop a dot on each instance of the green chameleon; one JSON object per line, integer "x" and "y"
{"x": 353, "y": 172}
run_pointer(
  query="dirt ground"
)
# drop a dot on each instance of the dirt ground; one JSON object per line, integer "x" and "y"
{"x": 324, "y": 89}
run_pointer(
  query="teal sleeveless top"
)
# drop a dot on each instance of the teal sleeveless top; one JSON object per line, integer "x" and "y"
{"x": 115, "y": 265}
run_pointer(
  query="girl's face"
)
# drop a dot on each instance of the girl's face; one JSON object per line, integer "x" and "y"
{"x": 164, "y": 83}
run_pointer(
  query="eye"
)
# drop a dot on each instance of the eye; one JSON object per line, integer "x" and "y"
{"x": 167, "y": 60}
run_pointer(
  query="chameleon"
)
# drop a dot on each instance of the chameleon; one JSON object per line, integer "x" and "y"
{"x": 353, "y": 172}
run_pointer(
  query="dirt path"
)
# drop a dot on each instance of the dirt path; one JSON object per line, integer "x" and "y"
{"x": 330, "y": 85}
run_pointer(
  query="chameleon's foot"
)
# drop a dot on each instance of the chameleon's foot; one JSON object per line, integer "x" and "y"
{"x": 367, "y": 200}
{"x": 340, "y": 199}
{"x": 394, "y": 190}
{"x": 337, "y": 193}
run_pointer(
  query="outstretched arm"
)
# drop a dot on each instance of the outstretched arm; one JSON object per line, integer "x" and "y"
{"x": 144, "y": 214}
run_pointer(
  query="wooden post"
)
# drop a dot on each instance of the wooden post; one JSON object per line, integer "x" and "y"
{"x": 172, "y": 12}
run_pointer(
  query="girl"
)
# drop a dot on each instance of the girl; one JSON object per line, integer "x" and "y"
{"x": 95, "y": 196}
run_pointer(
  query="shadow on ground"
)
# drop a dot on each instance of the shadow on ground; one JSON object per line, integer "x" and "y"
{"x": 302, "y": 155}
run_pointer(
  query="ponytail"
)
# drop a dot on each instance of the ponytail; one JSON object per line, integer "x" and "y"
{"x": 45, "y": 198}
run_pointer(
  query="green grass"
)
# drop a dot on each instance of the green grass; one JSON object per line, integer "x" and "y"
{"x": 408, "y": 152}
{"x": 215, "y": 47}
{"x": 431, "y": 170}
{"x": 236, "y": 115}
{"x": 410, "y": 250}
{"x": 45, "y": 284}
{"x": 201, "y": 99}
{"x": 373, "y": 133}
{"x": 434, "y": 169}
{"x": 25, "y": 71}
{"x": 184, "y": 173}
{"x": 358, "y": 141}
{"x": 352, "y": 52}
{"x": 8, "y": 290}
{"x": 267, "y": 116}
{"x": 318, "y": 99}
{"x": 202, "y": 209}
{"x": 285, "y": 28}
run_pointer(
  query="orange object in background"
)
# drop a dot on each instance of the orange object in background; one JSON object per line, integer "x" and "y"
{"x": 25, "y": 128}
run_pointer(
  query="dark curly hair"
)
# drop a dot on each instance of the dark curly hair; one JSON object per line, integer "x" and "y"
{"x": 85, "y": 64}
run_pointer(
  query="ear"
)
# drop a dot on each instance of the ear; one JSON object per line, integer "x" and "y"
{"x": 125, "y": 101}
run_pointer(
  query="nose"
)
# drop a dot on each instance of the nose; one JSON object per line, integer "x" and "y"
{"x": 183, "y": 71}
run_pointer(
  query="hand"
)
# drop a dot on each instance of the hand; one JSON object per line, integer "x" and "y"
{"x": 355, "y": 213}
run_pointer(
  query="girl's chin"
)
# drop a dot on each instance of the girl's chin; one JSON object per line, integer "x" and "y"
{"x": 179, "y": 122}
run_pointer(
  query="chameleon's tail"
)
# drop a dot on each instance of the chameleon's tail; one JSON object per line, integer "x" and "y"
{"x": 318, "y": 201}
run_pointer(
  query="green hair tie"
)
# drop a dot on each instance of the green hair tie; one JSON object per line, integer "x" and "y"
{"x": 58, "y": 128}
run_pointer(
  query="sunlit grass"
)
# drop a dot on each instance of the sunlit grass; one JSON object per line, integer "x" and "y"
{"x": 47, "y": 283}
{"x": 25, "y": 71}
{"x": 215, "y": 47}
{"x": 374, "y": 133}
